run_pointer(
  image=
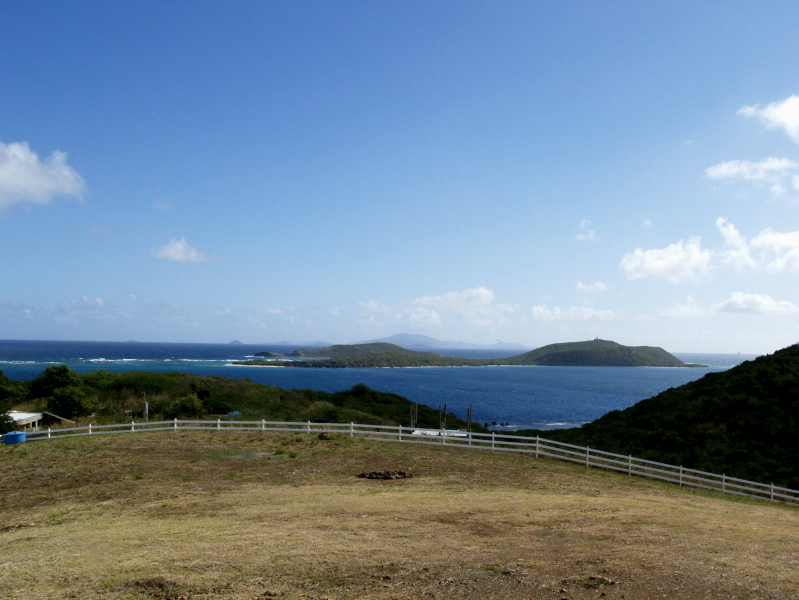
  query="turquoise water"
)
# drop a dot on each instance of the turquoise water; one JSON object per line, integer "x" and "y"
{"x": 522, "y": 397}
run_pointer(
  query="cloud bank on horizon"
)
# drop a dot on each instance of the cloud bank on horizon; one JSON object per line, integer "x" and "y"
{"x": 477, "y": 178}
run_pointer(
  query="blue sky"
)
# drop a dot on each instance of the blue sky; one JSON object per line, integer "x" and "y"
{"x": 531, "y": 172}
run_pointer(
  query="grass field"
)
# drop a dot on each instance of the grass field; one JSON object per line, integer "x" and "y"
{"x": 202, "y": 515}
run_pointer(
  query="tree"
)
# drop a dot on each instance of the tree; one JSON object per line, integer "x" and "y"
{"x": 189, "y": 406}
{"x": 52, "y": 378}
{"x": 10, "y": 394}
{"x": 68, "y": 402}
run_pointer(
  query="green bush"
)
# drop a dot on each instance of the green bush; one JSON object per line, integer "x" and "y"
{"x": 186, "y": 407}
{"x": 69, "y": 402}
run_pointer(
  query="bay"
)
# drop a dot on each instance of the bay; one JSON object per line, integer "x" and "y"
{"x": 515, "y": 397}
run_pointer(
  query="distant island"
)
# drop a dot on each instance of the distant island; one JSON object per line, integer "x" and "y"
{"x": 594, "y": 353}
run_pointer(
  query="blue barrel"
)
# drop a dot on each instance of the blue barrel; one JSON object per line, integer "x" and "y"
{"x": 14, "y": 437}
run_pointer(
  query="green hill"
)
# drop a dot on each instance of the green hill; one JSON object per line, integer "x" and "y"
{"x": 743, "y": 422}
{"x": 597, "y": 353}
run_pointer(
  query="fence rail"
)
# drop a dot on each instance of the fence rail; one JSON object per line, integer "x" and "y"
{"x": 536, "y": 446}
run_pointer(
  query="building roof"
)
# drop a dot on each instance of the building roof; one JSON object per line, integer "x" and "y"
{"x": 24, "y": 418}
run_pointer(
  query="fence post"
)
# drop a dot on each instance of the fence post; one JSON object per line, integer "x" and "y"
{"x": 352, "y": 427}
{"x": 132, "y": 426}
{"x": 48, "y": 437}
{"x": 629, "y": 465}
{"x": 308, "y": 426}
{"x": 772, "y": 491}
{"x": 263, "y": 424}
{"x": 537, "y": 442}
{"x": 175, "y": 424}
{"x": 680, "y": 475}
{"x": 492, "y": 439}
{"x": 443, "y": 437}
{"x": 587, "y": 457}
{"x": 400, "y": 433}
{"x": 90, "y": 428}
{"x": 723, "y": 483}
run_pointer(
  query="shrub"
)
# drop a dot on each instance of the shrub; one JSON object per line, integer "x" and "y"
{"x": 69, "y": 402}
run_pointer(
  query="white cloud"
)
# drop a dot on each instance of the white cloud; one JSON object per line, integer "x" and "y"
{"x": 783, "y": 114}
{"x": 738, "y": 255}
{"x": 273, "y": 310}
{"x": 688, "y": 308}
{"x": 770, "y": 169}
{"x": 586, "y": 233}
{"x": 419, "y": 316}
{"x": 542, "y": 312}
{"x": 372, "y": 310}
{"x": 597, "y": 286}
{"x": 25, "y": 178}
{"x": 740, "y": 302}
{"x": 779, "y": 251}
{"x": 778, "y": 173}
{"x": 770, "y": 251}
{"x": 476, "y": 303}
{"x": 180, "y": 251}
{"x": 676, "y": 263}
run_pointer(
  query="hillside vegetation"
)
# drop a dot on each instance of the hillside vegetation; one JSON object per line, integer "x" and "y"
{"x": 110, "y": 396}
{"x": 743, "y": 422}
{"x": 597, "y": 352}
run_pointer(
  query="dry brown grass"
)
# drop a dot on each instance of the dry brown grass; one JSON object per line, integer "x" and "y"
{"x": 248, "y": 515}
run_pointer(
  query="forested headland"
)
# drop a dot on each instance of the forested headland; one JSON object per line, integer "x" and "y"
{"x": 109, "y": 396}
{"x": 743, "y": 422}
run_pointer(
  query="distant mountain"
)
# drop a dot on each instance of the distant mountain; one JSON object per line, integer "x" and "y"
{"x": 421, "y": 342}
{"x": 367, "y": 349}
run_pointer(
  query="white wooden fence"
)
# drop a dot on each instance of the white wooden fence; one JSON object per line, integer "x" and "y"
{"x": 535, "y": 446}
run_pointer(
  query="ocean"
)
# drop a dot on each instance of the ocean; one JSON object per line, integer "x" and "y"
{"x": 512, "y": 397}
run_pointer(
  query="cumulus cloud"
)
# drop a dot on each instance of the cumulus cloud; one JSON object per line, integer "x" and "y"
{"x": 476, "y": 306}
{"x": 737, "y": 254}
{"x": 180, "y": 251}
{"x": 778, "y": 251}
{"x": 783, "y": 114}
{"x": 687, "y": 308}
{"x": 476, "y": 303}
{"x": 372, "y": 310}
{"x": 419, "y": 316}
{"x": 760, "y": 304}
{"x": 586, "y": 234}
{"x": 676, "y": 263}
{"x": 769, "y": 251}
{"x": 24, "y": 177}
{"x": 780, "y": 174}
{"x": 764, "y": 170}
{"x": 542, "y": 312}
{"x": 597, "y": 286}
